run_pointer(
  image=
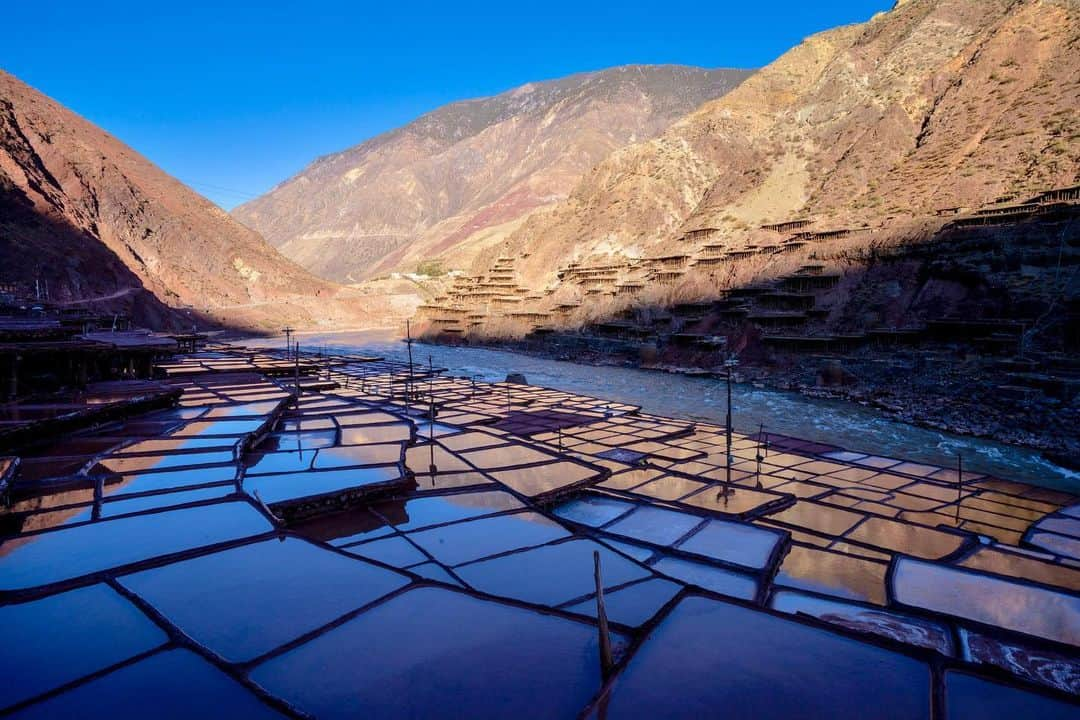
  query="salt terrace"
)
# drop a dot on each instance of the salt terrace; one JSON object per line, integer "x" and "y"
{"x": 390, "y": 541}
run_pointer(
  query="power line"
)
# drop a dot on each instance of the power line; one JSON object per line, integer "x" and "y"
{"x": 219, "y": 188}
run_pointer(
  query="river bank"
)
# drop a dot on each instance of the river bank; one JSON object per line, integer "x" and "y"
{"x": 956, "y": 395}
{"x": 852, "y": 425}
{"x": 953, "y": 395}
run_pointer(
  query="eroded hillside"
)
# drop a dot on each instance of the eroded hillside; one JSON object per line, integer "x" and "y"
{"x": 865, "y": 135}
{"x": 460, "y": 179}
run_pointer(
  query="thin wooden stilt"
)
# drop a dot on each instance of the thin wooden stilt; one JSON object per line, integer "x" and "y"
{"x": 607, "y": 661}
{"x": 959, "y": 485}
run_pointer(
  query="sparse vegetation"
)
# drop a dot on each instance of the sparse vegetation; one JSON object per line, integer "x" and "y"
{"x": 431, "y": 268}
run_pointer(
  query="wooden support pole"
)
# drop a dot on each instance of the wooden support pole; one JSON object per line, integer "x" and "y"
{"x": 408, "y": 343}
{"x": 431, "y": 417}
{"x": 728, "y": 427}
{"x": 296, "y": 373}
{"x": 959, "y": 485}
{"x": 99, "y": 492}
{"x": 759, "y": 456}
{"x": 607, "y": 661}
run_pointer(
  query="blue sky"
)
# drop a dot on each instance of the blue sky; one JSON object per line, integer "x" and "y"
{"x": 232, "y": 100}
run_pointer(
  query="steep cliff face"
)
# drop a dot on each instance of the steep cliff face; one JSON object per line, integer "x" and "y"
{"x": 96, "y": 221}
{"x": 937, "y": 103}
{"x": 459, "y": 179}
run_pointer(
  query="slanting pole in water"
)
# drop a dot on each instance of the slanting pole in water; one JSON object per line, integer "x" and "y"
{"x": 607, "y": 662}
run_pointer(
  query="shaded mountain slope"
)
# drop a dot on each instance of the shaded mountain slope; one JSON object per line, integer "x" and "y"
{"x": 93, "y": 219}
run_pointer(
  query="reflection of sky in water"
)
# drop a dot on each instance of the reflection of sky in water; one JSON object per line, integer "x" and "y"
{"x": 833, "y": 574}
{"x": 283, "y": 488}
{"x": 552, "y": 574}
{"x": 845, "y": 424}
{"x": 152, "y": 682}
{"x": 710, "y": 577}
{"x": 709, "y": 656}
{"x": 744, "y": 545}
{"x": 550, "y": 668}
{"x": 1024, "y": 608}
{"x": 466, "y": 541}
{"x": 63, "y": 637}
{"x": 415, "y": 513}
{"x": 969, "y": 696}
{"x": 632, "y": 605}
{"x": 655, "y": 525}
{"x": 231, "y": 601}
{"x": 84, "y": 549}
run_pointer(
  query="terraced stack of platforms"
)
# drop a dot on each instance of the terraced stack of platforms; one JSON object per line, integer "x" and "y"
{"x": 474, "y": 306}
{"x": 801, "y": 285}
{"x": 1007, "y": 210}
{"x": 712, "y": 252}
{"x": 471, "y": 303}
{"x": 254, "y": 551}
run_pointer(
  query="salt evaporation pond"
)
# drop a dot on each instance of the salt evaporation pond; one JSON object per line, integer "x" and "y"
{"x": 833, "y": 422}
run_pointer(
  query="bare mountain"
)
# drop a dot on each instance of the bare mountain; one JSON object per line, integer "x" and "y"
{"x": 459, "y": 179}
{"x": 91, "y": 219}
{"x": 935, "y": 104}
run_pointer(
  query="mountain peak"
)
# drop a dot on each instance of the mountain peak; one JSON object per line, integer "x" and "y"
{"x": 458, "y": 178}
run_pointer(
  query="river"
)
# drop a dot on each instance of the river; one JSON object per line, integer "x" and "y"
{"x": 848, "y": 425}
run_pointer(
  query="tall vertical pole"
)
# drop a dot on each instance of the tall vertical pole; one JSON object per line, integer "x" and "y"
{"x": 409, "y": 377}
{"x": 431, "y": 437}
{"x": 410, "y": 385}
{"x": 431, "y": 417}
{"x": 408, "y": 342}
{"x": 728, "y": 427}
{"x": 759, "y": 457}
{"x": 296, "y": 372}
{"x": 959, "y": 484}
{"x": 288, "y": 340}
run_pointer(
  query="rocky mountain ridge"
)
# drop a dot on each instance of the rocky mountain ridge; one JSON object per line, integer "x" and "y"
{"x": 865, "y": 135}
{"x": 461, "y": 177}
